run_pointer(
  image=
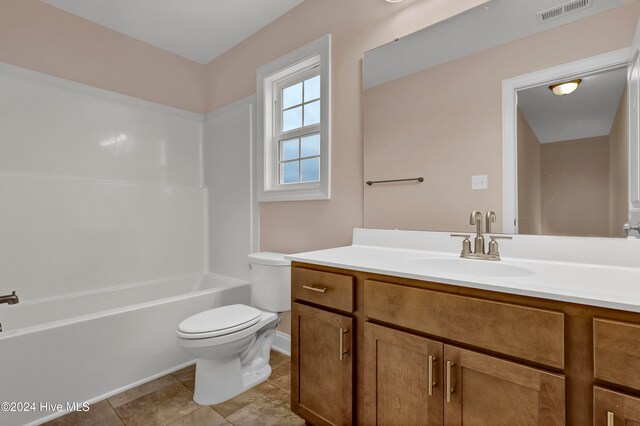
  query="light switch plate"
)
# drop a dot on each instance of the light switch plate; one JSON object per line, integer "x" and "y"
{"x": 479, "y": 182}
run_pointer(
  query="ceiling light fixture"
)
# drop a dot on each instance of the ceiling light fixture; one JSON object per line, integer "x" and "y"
{"x": 393, "y": 1}
{"x": 565, "y": 88}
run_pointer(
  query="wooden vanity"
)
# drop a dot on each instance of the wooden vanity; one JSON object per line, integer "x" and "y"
{"x": 372, "y": 349}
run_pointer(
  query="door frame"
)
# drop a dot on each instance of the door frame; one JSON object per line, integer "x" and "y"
{"x": 510, "y": 87}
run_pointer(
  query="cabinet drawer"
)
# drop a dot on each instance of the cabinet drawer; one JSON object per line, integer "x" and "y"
{"x": 527, "y": 333}
{"x": 324, "y": 288}
{"x": 616, "y": 356}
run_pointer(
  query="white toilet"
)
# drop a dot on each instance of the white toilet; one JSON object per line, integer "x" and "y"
{"x": 232, "y": 343}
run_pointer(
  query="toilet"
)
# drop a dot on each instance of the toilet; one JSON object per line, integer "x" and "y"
{"x": 232, "y": 343}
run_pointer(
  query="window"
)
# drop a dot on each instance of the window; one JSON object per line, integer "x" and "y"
{"x": 294, "y": 132}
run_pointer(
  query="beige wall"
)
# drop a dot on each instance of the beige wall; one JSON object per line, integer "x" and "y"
{"x": 444, "y": 123}
{"x": 356, "y": 26}
{"x": 43, "y": 38}
{"x": 619, "y": 169}
{"x": 575, "y": 187}
{"x": 529, "y": 179}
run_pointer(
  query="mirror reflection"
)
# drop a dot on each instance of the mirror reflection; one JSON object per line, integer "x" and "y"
{"x": 469, "y": 106}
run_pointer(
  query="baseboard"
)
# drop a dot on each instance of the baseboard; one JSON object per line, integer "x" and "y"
{"x": 282, "y": 343}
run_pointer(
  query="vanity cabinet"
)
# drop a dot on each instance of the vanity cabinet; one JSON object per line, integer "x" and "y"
{"x": 322, "y": 362}
{"x": 403, "y": 382}
{"x": 412, "y": 380}
{"x": 486, "y": 390}
{"x": 426, "y": 353}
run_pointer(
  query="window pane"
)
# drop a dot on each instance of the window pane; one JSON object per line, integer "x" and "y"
{"x": 289, "y": 149}
{"x": 310, "y": 169}
{"x": 292, "y": 119}
{"x": 312, "y": 89}
{"x": 312, "y": 113}
{"x": 290, "y": 172}
{"x": 292, "y": 96}
{"x": 310, "y": 146}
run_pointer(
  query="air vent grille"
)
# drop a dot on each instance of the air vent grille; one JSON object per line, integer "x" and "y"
{"x": 562, "y": 10}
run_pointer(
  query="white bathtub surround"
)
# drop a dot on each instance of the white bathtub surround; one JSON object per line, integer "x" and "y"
{"x": 62, "y": 236}
{"x": 103, "y": 225}
{"x": 89, "y": 346}
{"x": 601, "y": 272}
{"x": 228, "y": 175}
{"x": 98, "y": 189}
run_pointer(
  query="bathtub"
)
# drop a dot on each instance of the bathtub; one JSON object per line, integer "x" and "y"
{"x": 85, "y": 347}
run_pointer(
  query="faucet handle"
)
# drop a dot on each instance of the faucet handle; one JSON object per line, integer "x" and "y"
{"x": 466, "y": 243}
{"x": 493, "y": 245}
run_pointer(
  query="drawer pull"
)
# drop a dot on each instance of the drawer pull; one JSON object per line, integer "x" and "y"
{"x": 343, "y": 352}
{"x": 316, "y": 289}
{"x": 611, "y": 419}
{"x": 432, "y": 382}
{"x": 449, "y": 380}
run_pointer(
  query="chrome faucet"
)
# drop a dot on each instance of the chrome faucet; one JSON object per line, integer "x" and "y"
{"x": 10, "y": 299}
{"x": 628, "y": 228}
{"x": 478, "y": 242}
{"x": 479, "y": 252}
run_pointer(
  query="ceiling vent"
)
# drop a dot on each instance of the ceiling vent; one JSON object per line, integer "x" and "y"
{"x": 562, "y": 10}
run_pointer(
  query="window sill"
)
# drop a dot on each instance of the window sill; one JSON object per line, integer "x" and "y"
{"x": 297, "y": 194}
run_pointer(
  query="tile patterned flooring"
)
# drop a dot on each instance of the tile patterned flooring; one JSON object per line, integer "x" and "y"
{"x": 168, "y": 401}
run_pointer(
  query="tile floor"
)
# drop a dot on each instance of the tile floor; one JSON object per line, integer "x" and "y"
{"x": 168, "y": 401}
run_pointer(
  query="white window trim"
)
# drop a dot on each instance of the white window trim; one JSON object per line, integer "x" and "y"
{"x": 307, "y": 57}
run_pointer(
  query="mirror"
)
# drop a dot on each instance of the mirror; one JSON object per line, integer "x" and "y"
{"x": 467, "y": 106}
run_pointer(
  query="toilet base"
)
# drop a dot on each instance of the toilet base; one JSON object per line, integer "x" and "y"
{"x": 222, "y": 378}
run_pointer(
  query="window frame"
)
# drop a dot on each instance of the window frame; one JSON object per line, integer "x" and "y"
{"x": 302, "y": 64}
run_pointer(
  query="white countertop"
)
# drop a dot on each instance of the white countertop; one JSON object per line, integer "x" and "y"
{"x": 560, "y": 268}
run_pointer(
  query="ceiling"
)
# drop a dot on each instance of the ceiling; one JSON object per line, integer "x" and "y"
{"x": 588, "y": 112}
{"x": 489, "y": 25}
{"x": 200, "y": 30}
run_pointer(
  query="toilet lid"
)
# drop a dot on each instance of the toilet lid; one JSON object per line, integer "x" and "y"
{"x": 222, "y": 320}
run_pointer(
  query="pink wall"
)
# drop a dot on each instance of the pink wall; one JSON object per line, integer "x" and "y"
{"x": 529, "y": 181}
{"x": 575, "y": 187}
{"x": 356, "y": 26}
{"x": 43, "y": 38}
{"x": 619, "y": 170}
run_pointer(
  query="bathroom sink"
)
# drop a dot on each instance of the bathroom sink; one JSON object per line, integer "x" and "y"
{"x": 478, "y": 268}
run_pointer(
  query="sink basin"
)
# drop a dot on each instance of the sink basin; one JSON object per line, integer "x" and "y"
{"x": 478, "y": 268}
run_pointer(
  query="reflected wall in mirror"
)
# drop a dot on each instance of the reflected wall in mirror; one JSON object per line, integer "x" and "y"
{"x": 573, "y": 158}
{"x": 433, "y": 107}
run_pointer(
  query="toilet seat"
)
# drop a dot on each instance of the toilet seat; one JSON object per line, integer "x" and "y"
{"x": 219, "y": 322}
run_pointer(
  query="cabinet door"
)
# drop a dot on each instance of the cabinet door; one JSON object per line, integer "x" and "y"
{"x": 484, "y": 390}
{"x": 615, "y": 409}
{"x": 321, "y": 366}
{"x": 403, "y": 378}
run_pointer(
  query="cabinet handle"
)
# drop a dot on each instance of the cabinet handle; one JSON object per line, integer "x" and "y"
{"x": 611, "y": 419}
{"x": 432, "y": 382}
{"x": 449, "y": 379}
{"x": 343, "y": 352}
{"x": 317, "y": 289}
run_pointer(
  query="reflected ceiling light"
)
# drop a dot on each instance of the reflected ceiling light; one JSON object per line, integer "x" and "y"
{"x": 393, "y": 1}
{"x": 565, "y": 88}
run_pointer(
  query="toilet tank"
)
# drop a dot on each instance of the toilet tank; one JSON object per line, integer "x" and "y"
{"x": 270, "y": 277}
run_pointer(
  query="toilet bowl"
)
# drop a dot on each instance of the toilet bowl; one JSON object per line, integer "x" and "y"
{"x": 232, "y": 343}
